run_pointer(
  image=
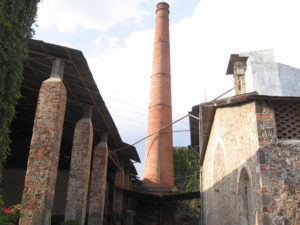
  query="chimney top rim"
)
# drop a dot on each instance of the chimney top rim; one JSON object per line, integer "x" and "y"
{"x": 162, "y": 5}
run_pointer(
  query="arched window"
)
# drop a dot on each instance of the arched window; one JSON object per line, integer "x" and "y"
{"x": 245, "y": 204}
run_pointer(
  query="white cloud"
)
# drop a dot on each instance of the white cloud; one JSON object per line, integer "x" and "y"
{"x": 67, "y": 15}
{"x": 97, "y": 42}
{"x": 201, "y": 45}
{"x": 200, "y": 48}
{"x": 113, "y": 40}
{"x": 67, "y": 44}
{"x": 123, "y": 78}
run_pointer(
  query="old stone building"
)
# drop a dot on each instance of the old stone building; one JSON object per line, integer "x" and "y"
{"x": 250, "y": 145}
{"x": 67, "y": 155}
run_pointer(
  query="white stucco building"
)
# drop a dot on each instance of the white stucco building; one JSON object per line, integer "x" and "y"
{"x": 266, "y": 76}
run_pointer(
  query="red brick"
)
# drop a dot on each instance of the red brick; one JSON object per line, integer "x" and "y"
{"x": 265, "y": 190}
{"x": 98, "y": 184}
{"x": 79, "y": 171}
{"x": 44, "y": 153}
{"x": 159, "y": 147}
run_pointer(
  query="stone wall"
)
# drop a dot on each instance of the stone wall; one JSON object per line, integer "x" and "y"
{"x": 280, "y": 171}
{"x": 232, "y": 149}
{"x": 247, "y": 179}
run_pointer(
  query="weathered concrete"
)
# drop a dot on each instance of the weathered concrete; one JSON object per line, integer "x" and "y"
{"x": 80, "y": 170}
{"x": 267, "y": 77}
{"x": 98, "y": 182}
{"x": 159, "y": 169}
{"x": 44, "y": 150}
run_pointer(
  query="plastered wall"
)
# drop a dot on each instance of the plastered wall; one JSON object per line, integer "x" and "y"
{"x": 232, "y": 148}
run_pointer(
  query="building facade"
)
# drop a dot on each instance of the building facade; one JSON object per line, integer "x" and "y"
{"x": 250, "y": 154}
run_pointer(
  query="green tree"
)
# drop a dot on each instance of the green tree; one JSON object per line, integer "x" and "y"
{"x": 186, "y": 175}
{"x": 16, "y": 19}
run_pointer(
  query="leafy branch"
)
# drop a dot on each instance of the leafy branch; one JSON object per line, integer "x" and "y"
{"x": 16, "y": 19}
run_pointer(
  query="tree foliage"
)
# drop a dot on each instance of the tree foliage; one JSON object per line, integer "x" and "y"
{"x": 16, "y": 19}
{"x": 186, "y": 169}
{"x": 186, "y": 174}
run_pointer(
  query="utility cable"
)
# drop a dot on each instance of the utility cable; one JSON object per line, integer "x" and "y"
{"x": 122, "y": 93}
{"x": 222, "y": 94}
{"x": 119, "y": 149}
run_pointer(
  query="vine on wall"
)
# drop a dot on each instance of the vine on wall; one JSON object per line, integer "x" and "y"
{"x": 16, "y": 19}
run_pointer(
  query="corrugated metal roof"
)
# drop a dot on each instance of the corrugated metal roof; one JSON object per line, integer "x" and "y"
{"x": 81, "y": 91}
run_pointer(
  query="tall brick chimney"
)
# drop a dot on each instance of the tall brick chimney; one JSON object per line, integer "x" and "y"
{"x": 159, "y": 169}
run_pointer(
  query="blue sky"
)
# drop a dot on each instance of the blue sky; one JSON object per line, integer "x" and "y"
{"x": 116, "y": 37}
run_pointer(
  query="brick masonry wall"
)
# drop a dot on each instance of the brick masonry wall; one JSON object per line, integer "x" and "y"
{"x": 280, "y": 171}
{"x": 159, "y": 169}
{"x": 266, "y": 124}
{"x": 44, "y": 154}
{"x": 232, "y": 147}
{"x": 79, "y": 171}
{"x": 98, "y": 184}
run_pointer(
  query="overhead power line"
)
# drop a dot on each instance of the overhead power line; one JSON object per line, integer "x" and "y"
{"x": 122, "y": 93}
{"x": 119, "y": 149}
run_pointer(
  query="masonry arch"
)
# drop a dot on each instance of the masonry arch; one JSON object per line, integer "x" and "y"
{"x": 245, "y": 198}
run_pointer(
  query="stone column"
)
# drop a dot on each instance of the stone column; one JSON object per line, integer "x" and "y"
{"x": 80, "y": 169}
{"x": 118, "y": 194}
{"x": 43, "y": 157}
{"x": 98, "y": 183}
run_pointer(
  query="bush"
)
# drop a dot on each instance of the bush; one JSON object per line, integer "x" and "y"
{"x": 9, "y": 215}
